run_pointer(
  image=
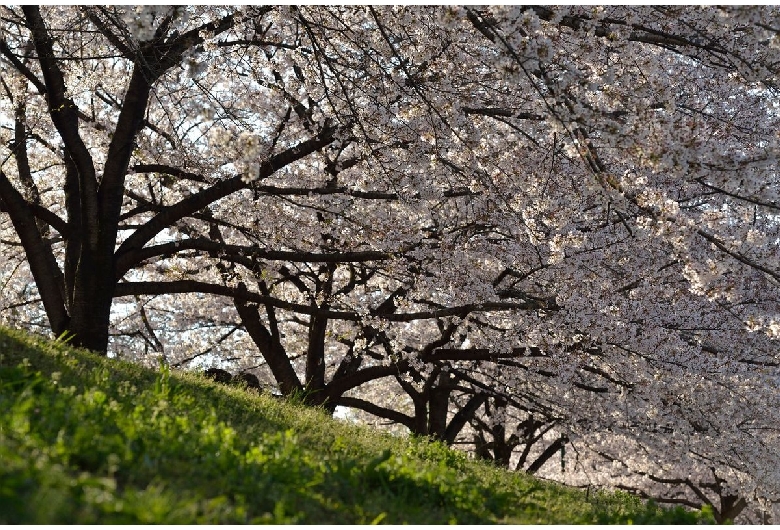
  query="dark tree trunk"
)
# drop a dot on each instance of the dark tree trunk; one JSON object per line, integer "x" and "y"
{"x": 315, "y": 361}
{"x": 271, "y": 349}
{"x": 502, "y": 450}
{"x": 546, "y": 455}
{"x": 420, "y": 416}
{"x": 462, "y": 417}
{"x": 92, "y": 297}
{"x": 439, "y": 405}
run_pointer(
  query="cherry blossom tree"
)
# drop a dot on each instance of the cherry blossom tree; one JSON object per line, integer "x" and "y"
{"x": 531, "y": 230}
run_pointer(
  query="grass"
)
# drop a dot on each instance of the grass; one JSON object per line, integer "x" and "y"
{"x": 84, "y": 439}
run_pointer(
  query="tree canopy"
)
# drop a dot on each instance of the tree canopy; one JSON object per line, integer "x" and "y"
{"x": 540, "y": 232}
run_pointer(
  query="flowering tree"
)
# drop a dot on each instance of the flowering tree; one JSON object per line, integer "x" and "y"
{"x": 548, "y": 229}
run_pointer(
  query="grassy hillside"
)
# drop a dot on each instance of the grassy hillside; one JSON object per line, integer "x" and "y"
{"x": 89, "y": 440}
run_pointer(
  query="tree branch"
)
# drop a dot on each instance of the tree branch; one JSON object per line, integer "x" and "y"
{"x": 376, "y": 410}
{"x": 43, "y": 265}
{"x": 170, "y": 215}
{"x": 247, "y": 253}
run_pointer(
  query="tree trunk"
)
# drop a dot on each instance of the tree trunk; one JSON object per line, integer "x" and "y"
{"x": 439, "y": 404}
{"x": 315, "y": 361}
{"x": 272, "y": 350}
{"x": 91, "y": 311}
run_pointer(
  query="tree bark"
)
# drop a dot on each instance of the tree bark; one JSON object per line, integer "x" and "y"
{"x": 272, "y": 351}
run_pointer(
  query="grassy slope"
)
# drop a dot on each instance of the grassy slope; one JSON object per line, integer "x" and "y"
{"x": 89, "y": 440}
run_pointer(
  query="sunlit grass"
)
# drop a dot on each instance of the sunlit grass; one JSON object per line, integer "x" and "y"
{"x": 85, "y": 439}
